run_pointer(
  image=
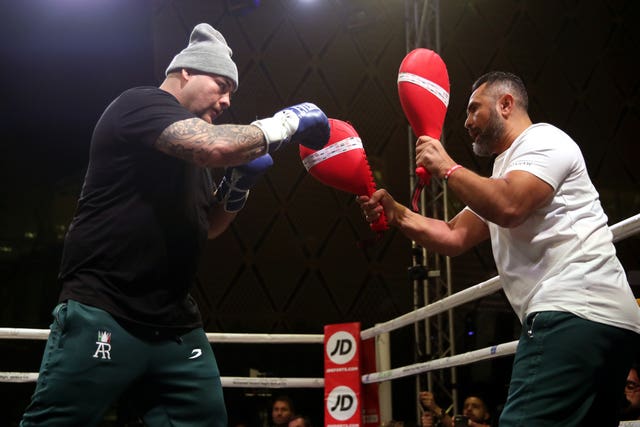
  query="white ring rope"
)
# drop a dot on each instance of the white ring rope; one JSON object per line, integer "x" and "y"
{"x": 626, "y": 228}
{"x": 24, "y": 334}
{"x": 43, "y": 334}
{"x": 266, "y": 338}
{"x": 620, "y": 231}
{"x": 228, "y": 382}
{"x": 242, "y": 382}
{"x": 446, "y": 362}
{"x": 474, "y": 292}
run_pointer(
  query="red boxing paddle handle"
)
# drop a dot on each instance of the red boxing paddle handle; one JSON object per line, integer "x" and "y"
{"x": 424, "y": 175}
{"x": 380, "y": 224}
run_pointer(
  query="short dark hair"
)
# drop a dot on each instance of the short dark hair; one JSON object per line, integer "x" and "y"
{"x": 305, "y": 420}
{"x": 509, "y": 80}
{"x": 284, "y": 398}
{"x": 482, "y": 391}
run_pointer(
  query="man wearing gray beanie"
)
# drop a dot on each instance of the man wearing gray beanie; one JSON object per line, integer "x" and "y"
{"x": 207, "y": 52}
{"x": 125, "y": 319}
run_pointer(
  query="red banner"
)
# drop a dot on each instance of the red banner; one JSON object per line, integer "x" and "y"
{"x": 342, "y": 377}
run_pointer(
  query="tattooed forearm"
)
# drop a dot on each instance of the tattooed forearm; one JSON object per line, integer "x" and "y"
{"x": 198, "y": 142}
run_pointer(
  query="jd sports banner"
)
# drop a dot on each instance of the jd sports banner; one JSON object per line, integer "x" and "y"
{"x": 342, "y": 384}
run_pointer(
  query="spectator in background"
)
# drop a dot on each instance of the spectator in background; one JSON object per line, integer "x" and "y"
{"x": 282, "y": 411}
{"x": 475, "y": 407}
{"x": 631, "y": 411}
{"x": 300, "y": 421}
{"x": 427, "y": 420}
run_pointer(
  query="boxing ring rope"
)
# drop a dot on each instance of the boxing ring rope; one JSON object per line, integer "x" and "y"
{"x": 228, "y": 382}
{"x": 620, "y": 231}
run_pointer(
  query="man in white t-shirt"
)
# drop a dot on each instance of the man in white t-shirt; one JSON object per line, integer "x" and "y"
{"x": 552, "y": 248}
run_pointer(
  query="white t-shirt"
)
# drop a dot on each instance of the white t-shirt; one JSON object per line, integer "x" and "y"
{"x": 562, "y": 257}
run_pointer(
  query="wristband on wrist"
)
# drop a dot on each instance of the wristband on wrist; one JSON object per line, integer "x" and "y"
{"x": 451, "y": 170}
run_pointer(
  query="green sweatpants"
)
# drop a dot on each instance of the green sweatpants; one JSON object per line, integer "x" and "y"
{"x": 568, "y": 372}
{"x": 90, "y": 360}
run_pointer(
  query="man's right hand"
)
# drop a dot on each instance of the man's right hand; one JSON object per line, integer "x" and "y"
{"x": 380, "y": 202}
{"x": 304, "y": 123}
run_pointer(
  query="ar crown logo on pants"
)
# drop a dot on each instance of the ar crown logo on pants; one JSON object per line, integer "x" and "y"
{"x": 103, "y": 351}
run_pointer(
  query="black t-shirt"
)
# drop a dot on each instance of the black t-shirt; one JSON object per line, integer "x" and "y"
{"x": 133, "y": 246}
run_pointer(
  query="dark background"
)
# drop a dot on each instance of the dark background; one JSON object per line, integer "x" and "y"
{"x": 292, "y": 262}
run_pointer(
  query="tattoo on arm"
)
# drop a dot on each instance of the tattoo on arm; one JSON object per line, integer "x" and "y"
{"x": 196, "y": 141}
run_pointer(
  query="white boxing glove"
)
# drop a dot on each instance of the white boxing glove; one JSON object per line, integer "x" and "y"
{"x": 304, "y": 124}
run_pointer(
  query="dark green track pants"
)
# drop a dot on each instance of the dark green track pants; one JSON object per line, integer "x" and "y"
{"x": 90, "y": 361}
{"x": 568, "y": 372}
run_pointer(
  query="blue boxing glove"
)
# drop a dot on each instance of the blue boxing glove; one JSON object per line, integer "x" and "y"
{"x": 238, "y": 180}
{"x": 304, "y": 123}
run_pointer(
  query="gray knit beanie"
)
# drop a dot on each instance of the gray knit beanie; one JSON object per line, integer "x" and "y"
{"x": 207, "y": 52}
